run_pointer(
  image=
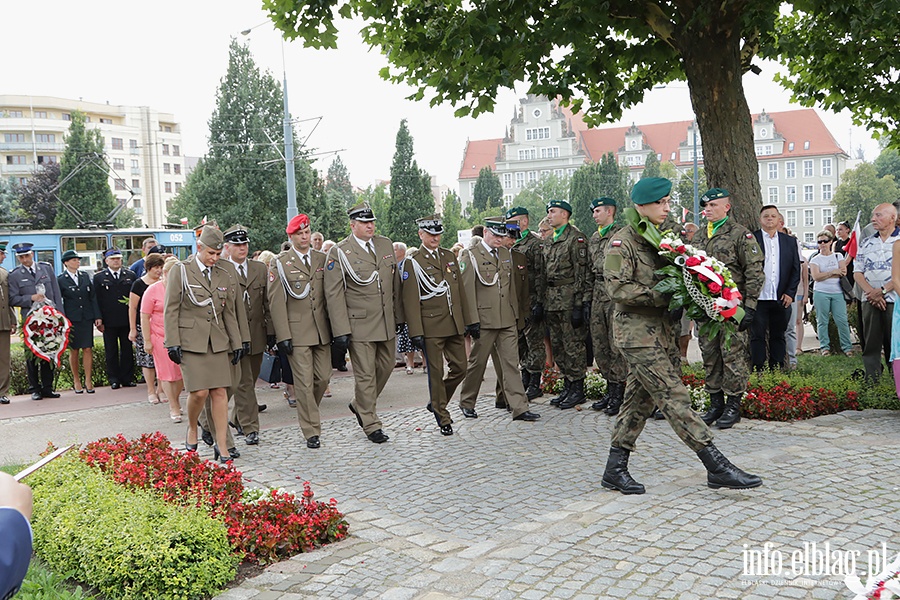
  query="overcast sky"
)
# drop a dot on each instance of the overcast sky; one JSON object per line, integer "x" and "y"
{"x": 170, "y": 55}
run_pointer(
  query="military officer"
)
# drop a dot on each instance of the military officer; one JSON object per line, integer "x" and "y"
{"x": 644, "y": 330}
{"x": 251, "y": 277}
{"x": 608, "y": 356}
{"x": 520, "y": 274}
{"x": 728, "y": 367}
{"x": 23, "y": 292}
{"x": 202, "y": 331}
{"x": 532, "y": 355}
{"x": 362, "y": 287}
{"x": 7, "y": 326}
{"x": 435, "y": 307}
{"x": 493, "y": 304}
{"x": 567, "y": 303}
{"x": 300, "y": 319}
{"x": 112, "y": 284}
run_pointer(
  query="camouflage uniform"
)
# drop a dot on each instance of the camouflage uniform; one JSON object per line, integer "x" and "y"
{"x": 645, "y": 332}
{"x": 609, "y": 358}
{"x": 531, "y": 340}
{"x": 728, "y": 369}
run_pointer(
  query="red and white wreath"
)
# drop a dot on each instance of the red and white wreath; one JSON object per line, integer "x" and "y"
{"x": 46, "y": 333}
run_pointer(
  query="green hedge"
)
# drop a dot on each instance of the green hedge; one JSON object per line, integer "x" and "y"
{"x": 127, "y": 544}
{"x": 18, "y": 377}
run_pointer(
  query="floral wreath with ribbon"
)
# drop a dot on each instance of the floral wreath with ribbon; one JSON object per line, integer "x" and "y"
{"x": 46, "y": 331}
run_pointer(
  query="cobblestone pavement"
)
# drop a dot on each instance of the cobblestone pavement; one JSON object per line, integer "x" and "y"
{"x": 505, "y": 509}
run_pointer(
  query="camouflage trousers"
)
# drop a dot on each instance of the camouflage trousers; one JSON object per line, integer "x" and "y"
{"x": 532, "y": 355}
{"x": 567, "y": 344}
{"x": 609, "y": 357}
{"x": 727, "y": 370}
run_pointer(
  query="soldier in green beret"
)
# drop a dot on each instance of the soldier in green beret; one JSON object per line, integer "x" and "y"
{"x": 567, "y": 305}
{"x": 644, "y": 331}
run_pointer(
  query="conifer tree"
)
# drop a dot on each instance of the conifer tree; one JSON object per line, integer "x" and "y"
{"x": 488, "y": 191}
{"x": 88, "y": 191}
{"x": 411, "y": 197}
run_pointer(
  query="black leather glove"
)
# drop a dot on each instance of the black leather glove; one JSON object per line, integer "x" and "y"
{"x": 418, "y": 342}
{"x": 246, "y": 348}
{"x": 747, "y": 321}
{"x": 175, "y": 354}
{"x": 270, "y": 341}
{"x": 675, "y": 315}
{"x": 586, "y": 311}
{"x": 473, "y": 330}
{"x": 577, "y": 317}
{"x": 537, "y": 313}
{"x": 238, "y": 354}
{"x": 286, "y": 346}
{"x": 341, "y": 342}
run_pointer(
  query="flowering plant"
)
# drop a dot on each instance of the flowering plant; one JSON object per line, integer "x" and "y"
{"x": 46, "y": 332}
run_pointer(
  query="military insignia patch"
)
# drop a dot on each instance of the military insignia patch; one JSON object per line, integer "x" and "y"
{"x": 616, "y": 243}
{"x": 405, "y": 275}
{"x": 271, "y": 275}
{"x": 462, "y": 267}
{"x": 580, "y": 240}
{"x": 748, "y": 235}
{"x": 330, "y": 265}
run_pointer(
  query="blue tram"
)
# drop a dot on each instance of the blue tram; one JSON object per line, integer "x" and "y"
{"x": 49, "y": 244}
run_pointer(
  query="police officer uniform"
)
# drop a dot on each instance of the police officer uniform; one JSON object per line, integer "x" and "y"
{"x": 297, "y": 305}
{"x": 7, "y": 326}
{"x": 23, "y": 282}
{"x": 112, "y": 287}
{"x": 493, "y": 304}
{"x": 362, "y": 287}
{"x": 435, "y": 306}
{"x": 79, "y": 305}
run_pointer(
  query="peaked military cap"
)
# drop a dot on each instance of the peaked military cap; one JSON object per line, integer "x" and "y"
{"x": 433, "y": 224}
{"x": 559, "y": 204}
{"x": 22, "y": 248}
{"x": 112, "y": 252}
{"x": 650, "y": 189}
{"x": 361, "y": 212}
{"x": 237, "y": 235}
{"x": 497, "y": 225}
{"x": 3, "y": 245}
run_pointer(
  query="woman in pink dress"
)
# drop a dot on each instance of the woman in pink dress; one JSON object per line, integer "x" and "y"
{"x": 153, "y": 321}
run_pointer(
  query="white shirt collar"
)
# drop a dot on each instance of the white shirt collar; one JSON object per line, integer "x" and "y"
{"x": 488, "y": 248}
{"x": 363, "y": 244}
{"x": 200, "y": 265}
{"x": 241, "y": 264}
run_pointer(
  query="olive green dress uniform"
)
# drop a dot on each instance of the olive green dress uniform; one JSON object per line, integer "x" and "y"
{"x": 609, "y": 358}
{"x": 368, "y": 313}
{"x": 7, "y": 320}
{"x": 532, "y": 354}
{"x": 304, "y": 321}
{"x": 728, "y": 369}
{"x": 520, "y": 274}
{"x": 645, "y": 333}
{"x": 496, "y": 308}
{"x": 440, "y": 319}
{"x": 206, "y": 333}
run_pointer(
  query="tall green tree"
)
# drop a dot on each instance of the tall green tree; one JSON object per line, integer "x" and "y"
{"x": 411, "y": 198}
{"x": 88, "y": 190}
{"x": 242, "y": 178}
{"x": 604, "y": 61}
{"x": 651, "y": 166}
{"x": 538, "y": 193}
{"x": 584, "y": 189}
{"x": 488, "y": 191}
{"x": 9, "y": 200}
{"x": 860, "y": 191}
{"x": 36, "y": 204}
{"x": 453, "y": 219}
{"x": 380, "y": 201}
{"x": 888, "y": 163}
{"x": 338, "y": 197}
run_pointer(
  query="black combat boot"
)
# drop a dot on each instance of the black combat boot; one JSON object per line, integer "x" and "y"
{"x": 534, "y": 386}
{"x": 603, "y": 402}
{"x": 732, "y": 413}
{"x": 563, "y": 395}
{"x": 615, "y": 400}
{"x": 576, "y": 395}
{"x": 721, "y": 473}
{"x": 658, "y": 415}
{"x": 716, "y": 407}
{"x": 616, "y": 476}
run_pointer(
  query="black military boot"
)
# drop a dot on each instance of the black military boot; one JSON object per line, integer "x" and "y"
{"x": 616, "y": 476}
{"x": 716, "y": 407}
{"x": 721, "y": 473}
{"x": 576, "y": 395}
{"x": 562, "y": 396}
{"x": 616, "y": 399}
{"x": 603, "y": 402}
{"x": 732, "y": 413}
{"x": 534, "y": 386}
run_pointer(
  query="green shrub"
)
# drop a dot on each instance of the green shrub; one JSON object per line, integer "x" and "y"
{"x": 18, "y": 377}
{"x": 43, "y": 583}
{"x": 127, "y": 544}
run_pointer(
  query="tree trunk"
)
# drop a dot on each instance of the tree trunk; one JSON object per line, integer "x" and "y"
{"x": 712, "y": 65}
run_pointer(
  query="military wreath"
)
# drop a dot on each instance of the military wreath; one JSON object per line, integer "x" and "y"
{"x": 46, "y": 332}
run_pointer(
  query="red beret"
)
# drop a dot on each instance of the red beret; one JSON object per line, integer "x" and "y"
{"x": 299, "y": 222}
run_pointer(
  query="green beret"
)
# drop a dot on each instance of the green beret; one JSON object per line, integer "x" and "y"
{"x": 516, "y": 211}
{"x": 650, "y": 189}
{"x": 602, "y": 201}
{"x": 559, "y": 204}
{"x": 713, "y": 194}
{"x": 211, "y": 237}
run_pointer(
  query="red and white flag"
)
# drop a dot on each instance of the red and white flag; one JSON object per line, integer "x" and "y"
{"x": 684, "y": 214}
{"x": 203, "y": 222}
{"x": 184, "y": 221}
{"x": 852, "y": 246}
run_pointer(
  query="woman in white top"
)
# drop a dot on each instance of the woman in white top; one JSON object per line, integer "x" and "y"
{"x": 826, "y": 269}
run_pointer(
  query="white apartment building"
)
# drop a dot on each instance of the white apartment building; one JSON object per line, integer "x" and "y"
{"x": 800, "y": 163}
{"x": 143, "y": 147}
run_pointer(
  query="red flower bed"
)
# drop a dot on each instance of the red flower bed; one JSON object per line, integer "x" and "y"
{"x": 786, "y": 403}
{"x": 549, "y": 378}
{"x": 274, "y": 525}
{"x": 692, "y": 381}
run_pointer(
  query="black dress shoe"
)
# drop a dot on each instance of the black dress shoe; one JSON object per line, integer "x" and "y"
{"x": 79, "y": 391}
{"x": 429, "y": 408}
{"x": 262, "y": 407}
{"x": 313, "y": 442}
{"x": 4, "y": 400}
{"x": 206, "y": 436}
{"x": 501, "y": 404}
{"x": 378, "y": 437}
{"x": 49, "y": 394}
{"x": 527, "y": 416}
{"x": 36, "y": 396}
{"x": 234, "y": 453}
{"x": 358, "y": 418}
{"x": 238, "y": 430}
{"x": 342, "y": 369}
{"x": 115, "y": 386}
{"x": 129, "y": 384}
{"x": 446, "y": 429}
{"x": 252, "y": 439}
{"x": 469, "y": 413}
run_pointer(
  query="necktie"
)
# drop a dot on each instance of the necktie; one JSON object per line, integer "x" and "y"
{"x": 494, "y": 254}
{"x": 206, "y": 275}
{"x": 371, "y": 248}
{"x": 306, "y": 260}
{"x": 116, "y": 276}
{"x": 241, "y": 270}
{"x": 33, "y": 274}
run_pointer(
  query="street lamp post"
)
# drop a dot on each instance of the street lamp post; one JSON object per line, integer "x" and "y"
{"x": 696, "y": 183}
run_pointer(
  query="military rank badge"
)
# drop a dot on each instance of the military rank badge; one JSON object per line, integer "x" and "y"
{"x": 405, "y": 275}
{"x": 330, "y": 265}
{"x": 271, "y": 276}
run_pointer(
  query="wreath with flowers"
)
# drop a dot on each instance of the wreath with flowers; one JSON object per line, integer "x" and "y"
{"x": 883, "y": 586}
{"x": 46, "y": 332}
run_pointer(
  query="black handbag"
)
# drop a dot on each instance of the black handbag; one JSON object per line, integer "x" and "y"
{"x": 270, "y": 370}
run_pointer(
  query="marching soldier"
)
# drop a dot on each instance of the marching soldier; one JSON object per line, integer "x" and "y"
{"x": 520, "y": 274}
{"x": 251, "y": 277}
{"x": 567, "y": 303}
{"x": 645, "y": 332}
{"x": 435, "y": 307}
{"x": 362, "y": 285}
{"x": 202, "y": 331}
{"x": 531, "y": 341}
{"x": 7, "y": 327}
{"x": 728, "y": 368}
{"x": 609, "y": 358}
{"x": 302, "y": 331}
{"x": 487, "y": 277}
{"x": 113, "y": 284}
{"x": 23, "y": 292}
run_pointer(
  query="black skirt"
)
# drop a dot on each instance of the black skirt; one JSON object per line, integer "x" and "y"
{"x": 81, "y": 335}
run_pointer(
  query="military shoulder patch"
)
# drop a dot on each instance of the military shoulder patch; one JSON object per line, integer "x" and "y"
{"x": 748, "y": 235}
{"x": 616, "y": 243}
{"x": 580, "y": 240}
{"x": 330, "y": 265}
{"x": 462, "y": 267}
{"x": 271, "y": 275}
{"x": 405, "y": 275}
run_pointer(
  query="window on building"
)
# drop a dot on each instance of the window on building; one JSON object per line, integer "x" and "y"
{"x": 807, "y": 168}
{"x": 168, "y": 187}
{"x": 790, "y": 193}
{"x": 507, "y": 180}
{"x": 808, "y": 195}
{"x": 165, "y": 149}
{"x": 136, "y": 183}
{"x": 13, "y": 137}
{"x": 826, "y": 167}
{"x": 105, "y": 121}
{"x": 790, "y": 169}
{"x": 827, "y": 216}
{"x": 537, "y": 133}
{"x": 773, "y": 194}
{"x": 176, "y": 168}
{"x": 809, "y": 218}
{"x": 520, "y": 179}
{"x": 827, "y": 193}
{"x": 790, "y": 146}
{"x": 136, "y": 203}
{"x": 532, "y": 176}
{"x": 167, "y": 168}
{"x": 809, "y": 237}
{"x": 176, "y": 150}
{"x": 45, "y": 138}
{"x": 790, "y": 218}
{"x": 571, "y": 172}
{"x": 507, "y": 199}
{"x": 66, "y": 116}
{"x": 16, "y": 159}
{"x": 167, "y": 129}
{"x": 551, "y": 152}
{"x": 545, "y": 174}
{"x": 118, "y": 163}
{"x": 46, "y": 160}
{"x": 132, "y": 144}
{"x": 22, "y": 180}
{"x": 15, "y": 114}
{"x": 472, "y": 188}
{"x": 773, "y": 170}
{"x": 559, "y": 172}
{"x": 528, "y": 154}
{"x": 806, "y": 145}
{"x": 116, "y": 143}
{"x": 672, "y": 158}
{"x": 135, "y": 164}
{"x": 120, "y": 184}
{"x": 177, "y": 187}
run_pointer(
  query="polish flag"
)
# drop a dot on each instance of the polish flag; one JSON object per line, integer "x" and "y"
{"x": 852, "y": 246}
{"x": 684, "y": 214}
{"x": 184, "y": 221}
{"x": 203, "y": 222}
